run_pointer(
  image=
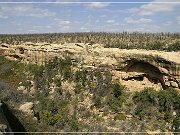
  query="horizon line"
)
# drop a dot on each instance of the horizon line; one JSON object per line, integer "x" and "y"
{"x": 85, "y": 2}
{"x": 129, "y": 32}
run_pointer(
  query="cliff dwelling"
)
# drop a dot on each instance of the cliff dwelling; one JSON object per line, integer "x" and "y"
{"x": 139, "y": 74}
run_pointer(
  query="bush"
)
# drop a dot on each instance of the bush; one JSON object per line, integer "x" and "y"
{"x": 97, "y": 102}
{"x": 78, "y": 88}
{"x": 74, "y": 124}
{"x": 117, "y": 90}
{"x": 169, "y": 99}
{"x": 168, "y": 117}
{"x": 148, "y": 95}
{"x": 115, "y": 101}
{"x": 149, "y": 100}
{"x": 58, "y": 82}
{"x": 80, "y": 76}
{"x": 49, "y": 118}
{"x": 165, "y": 100}
{"x": 115, "y": 104}
{"x": 67, "y": 74}
{"x": 120, "y": 116}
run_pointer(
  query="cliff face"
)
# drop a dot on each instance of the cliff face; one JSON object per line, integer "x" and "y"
{"x": 134, "y": 68}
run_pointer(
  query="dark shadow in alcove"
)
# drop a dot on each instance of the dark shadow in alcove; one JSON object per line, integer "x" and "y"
{"x": 150, "y": 71}
{"x": 13, "y": 121}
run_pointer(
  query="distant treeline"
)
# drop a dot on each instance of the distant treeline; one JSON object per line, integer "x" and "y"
{"x": 124, "y": 40}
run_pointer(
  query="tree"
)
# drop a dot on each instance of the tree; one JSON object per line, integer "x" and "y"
{"x": 165, "y": 100}
{"x": 148, "y": 95}
{"x": 117, "y": 90}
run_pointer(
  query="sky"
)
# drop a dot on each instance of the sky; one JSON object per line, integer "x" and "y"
{"x": 92, "y": 15}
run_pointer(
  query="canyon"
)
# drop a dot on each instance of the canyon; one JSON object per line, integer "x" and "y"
{"x": 134, "y": 68}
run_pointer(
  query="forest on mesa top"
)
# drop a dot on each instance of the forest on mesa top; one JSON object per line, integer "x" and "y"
{"x": 124, "y": 40}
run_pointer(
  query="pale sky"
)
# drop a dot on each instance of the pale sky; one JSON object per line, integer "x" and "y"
{"x": 153, "y": 16}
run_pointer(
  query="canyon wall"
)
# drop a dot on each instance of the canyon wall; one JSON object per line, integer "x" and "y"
{"x": 134, "y": 68}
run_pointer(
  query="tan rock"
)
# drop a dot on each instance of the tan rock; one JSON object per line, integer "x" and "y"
{"x": 174, "y": 113}
{"x": 93, "y": 56}
{"x": 27, "y": 108}
{"x": 174, "y": 84}
{"x": 163, "y": 70}
{"x": 167, "y": 84}
{"x": 129, "y": 116}
{"x": 21, "y": 88}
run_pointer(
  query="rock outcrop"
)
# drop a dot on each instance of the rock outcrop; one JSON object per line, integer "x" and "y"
{"x": 27, "y": 108}
{"x": 148, "y": 68}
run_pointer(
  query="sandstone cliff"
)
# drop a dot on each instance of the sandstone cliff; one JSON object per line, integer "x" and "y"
{"x": 134, "y": 68}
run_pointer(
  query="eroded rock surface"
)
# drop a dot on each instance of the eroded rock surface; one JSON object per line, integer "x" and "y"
{"x": 27, "y": 108}
{"x": 137, "y": 68}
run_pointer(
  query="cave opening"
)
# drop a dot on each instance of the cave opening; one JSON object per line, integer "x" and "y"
{"x": 146, "y": 70}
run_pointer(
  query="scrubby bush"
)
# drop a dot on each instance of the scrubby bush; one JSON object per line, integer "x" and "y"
{"x": 74, "y": 124}
{"x": 117, "y": 90}
{"x": 97, "y": 102}
{"x": 80, "y": 76}
{"x": 115, "y": 101}
{"x": 120, "y": 116}
{"x": 163, "y": 101}
{"x": 148, "y": 95}
{"x": 168, "y": 116}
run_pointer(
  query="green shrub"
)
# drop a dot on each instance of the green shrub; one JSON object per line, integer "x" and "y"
{"x": 78, "y": 88}
{"x": 168, "y": 117}
{"x": 115, "y": 104}
{"x": 169, "y": 99}
{"x": 165, "y": 101}
{"x": 57, "y": 81}
{"x": 97, "y": 102}
{"x": 115, "y": 101}
{"x": 49, "y": 118}
{"x": 149, "y": 100}
{"x": 67, "y": 74}
{"x": 80, "y": 76}
{"x": 148, "y": 95}
{"x": 3, "y": 60}
{"x": 117, "y": 90}
{"x": 120, "y": 116}
{"x": 74, "y": 124}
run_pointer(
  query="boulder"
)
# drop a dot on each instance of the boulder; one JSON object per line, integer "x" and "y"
{"x": 3, "y": 128}
{"x": 27, "y": 108}
{"x": 174, "y": 84}
{"x": 163, "y": 70}
{"x": 167, "y": 84}
{"x": 21, "y": 88}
